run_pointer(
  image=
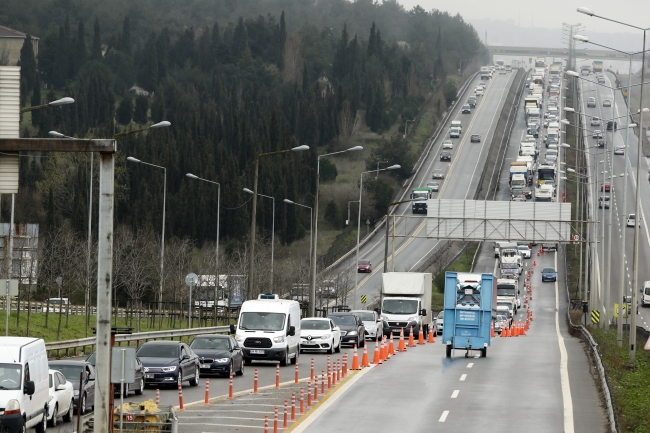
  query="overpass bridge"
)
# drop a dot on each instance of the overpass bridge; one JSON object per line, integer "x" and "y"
{"x": 583, "y": 53}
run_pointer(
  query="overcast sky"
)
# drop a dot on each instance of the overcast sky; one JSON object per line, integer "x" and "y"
{"x": 547, "y": 13}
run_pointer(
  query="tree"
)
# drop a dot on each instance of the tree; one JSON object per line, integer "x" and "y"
{"x": 124, "y": 111}
{"x": 328, "y": 171}
{"x": 80, "y": 55}
{"x": 449, "y": 91}
{"x": 27, "y": 64}
{"x": 141, "y": 108}
{"x": 36, "y": 100}
{"x": 397, "y": 151}
{"x": 332, "y": 214}
{"x": 124, "y": 44}
{"x": 96, "y": 53}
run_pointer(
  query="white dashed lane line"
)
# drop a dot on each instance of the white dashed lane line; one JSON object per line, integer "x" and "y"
{"x": 456, "y": 391}
{"x": 463, "y": 377}
{"x": 443, "y": 417}
{"x": 470, "y": 365}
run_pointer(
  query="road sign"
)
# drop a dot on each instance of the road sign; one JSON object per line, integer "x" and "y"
{"x": 575, "y": 237}
{"x": 10, "y": 286}
{"x": 363, "y": 299}
{"x": 625, "y": 310}
{"x": 595, "y": 317}
{"x": 191, "y": 279}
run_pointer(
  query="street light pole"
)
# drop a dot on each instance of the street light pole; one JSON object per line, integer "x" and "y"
{"x": 314, "y": 263}
{"x": 248, "y": 191}
{"x": 216, "y": 271}
{"x": 251, "y": 260}
{"x": 312, "y": 297}
{"x": 356, "y": 283}
{"x": 162, "y": 238}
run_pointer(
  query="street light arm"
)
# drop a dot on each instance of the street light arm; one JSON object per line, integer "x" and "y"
{"x": 63, "y": 101}
{"x": 281, "y": 152}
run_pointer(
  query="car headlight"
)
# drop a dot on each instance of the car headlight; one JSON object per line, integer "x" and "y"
{"x": 239, "y": 338}
{"x": 222, "y": 360}
{"x": 384, "y": 318}
{"x": 325, "y": 336}
{"x": 76, "y": 392}
{"x": 279, "y": 339}
{"x": 13, "y": 407}
{"x": 168, "y": 369}
{"x": 352, "y": 333}
{"x": 413, "y": 319}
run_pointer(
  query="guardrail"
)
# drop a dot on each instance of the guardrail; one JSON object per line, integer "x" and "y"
{"x": 139, "y": 336}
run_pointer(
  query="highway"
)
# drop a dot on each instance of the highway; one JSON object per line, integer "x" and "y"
{"x": 537, "y": 383}
{"x": 461, "y": 178}
{"x": 617, "y": 138}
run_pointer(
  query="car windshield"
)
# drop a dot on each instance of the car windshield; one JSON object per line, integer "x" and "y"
{"x": 631, "y": 217}
{"x": 504, "y": 304}
{"x": 71, "y": 372}
{"x": 262, "y": 321}
{"x": 522, "y": 248}
{"x": 441, "y": 315}
{"x": 210, "y": 343}
{"x": 158, "y": 351}
{"x": 367, "y": 316}
{"x": 509, "y": 265}
{"x": 506, "y": 290}
{"x": 416, "y": 196}
{"x": 318, "y": 325}
{"x": 343, "y": 320}
{"x": 10, "y": 375}
{"x": 647, "y": 291}
{"x": 548, "y": 270}
{"x": 400, "y": 306}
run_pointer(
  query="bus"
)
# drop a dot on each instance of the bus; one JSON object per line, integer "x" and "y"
{"x": 597, "y": 66}
{"x": 544, "y": 173}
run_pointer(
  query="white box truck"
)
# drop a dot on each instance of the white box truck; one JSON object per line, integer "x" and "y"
{"x": 406, "y": 300}
{"x": 24, "y": 389}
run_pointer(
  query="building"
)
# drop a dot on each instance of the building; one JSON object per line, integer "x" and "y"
{"x": 24, "y": 264}
{"x": 11, "y": 41}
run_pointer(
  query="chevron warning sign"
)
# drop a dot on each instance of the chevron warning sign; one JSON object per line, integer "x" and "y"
{"x": 595, "y": 316}
{"x": 363, "y": 299}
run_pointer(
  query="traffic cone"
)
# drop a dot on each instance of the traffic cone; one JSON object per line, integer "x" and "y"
{"x": 492, "y": 330}
{"x": 401, "y": 346}
{"x": 391, "y": 345}
{"x": 364, "y": 359}
{"x": 431, "y": 334}
{"x": 355, "y": 359}
{"x": 375, "y": 357}
{"x": 383, "y": 350}
{"x": 421, "y": 335}
{"x": 504, "y": 332}
{"x": 535, "y": 262}
{"x": 411, "y": 339}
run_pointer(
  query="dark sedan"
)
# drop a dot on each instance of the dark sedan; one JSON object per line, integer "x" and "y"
{"x": 137, "y": 386}
{"x": 169, "y": 362}
{"x": 445, "y": 156}
{"x": 218, "y": 354}
{"x": 72, "y": 371}
{"x": 352, "y": 329}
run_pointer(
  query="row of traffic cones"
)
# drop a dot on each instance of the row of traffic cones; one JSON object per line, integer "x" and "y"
{"x": 516, "y": 329}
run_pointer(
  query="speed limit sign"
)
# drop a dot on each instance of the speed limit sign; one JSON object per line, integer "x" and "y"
{"x": 575, "y": 238}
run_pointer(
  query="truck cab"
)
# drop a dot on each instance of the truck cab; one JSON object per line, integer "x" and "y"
{"x": 508, "y": 290}
{"x": 406, "y": 299}
{"x": 419, "y": 197}
{"x": 510, "y": 267}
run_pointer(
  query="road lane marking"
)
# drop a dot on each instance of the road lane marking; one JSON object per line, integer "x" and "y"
{"x": 463, "y": 377}
{"x": 470, "y": 365}
{"x": 564, "y": 371}
{"x": 443, "y": 417}
{"x": 455, "y": 393}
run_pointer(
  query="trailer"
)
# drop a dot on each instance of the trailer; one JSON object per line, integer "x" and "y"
{"x": 470, "y": 302}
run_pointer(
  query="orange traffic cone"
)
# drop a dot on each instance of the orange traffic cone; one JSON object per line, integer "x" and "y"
{"x": 391, "y": 345}
{"x": 504, "y": 332}
{"x": 384, "y": 349}
{"x": 355, "y": 359}
{"x": 431, "y": 334}
{"x": 535, "y": 262}
{"x": 376, "y": 359}
{"x": 364, "y": 359}
{"x": 421, "y": 335}
{"x": 411, "y": 339}
{"x": 401, "y": 346}
{"x": 492, "y": 330}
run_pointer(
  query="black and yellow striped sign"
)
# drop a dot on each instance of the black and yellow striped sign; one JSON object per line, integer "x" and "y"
{"x": 595, "y": 316}
{"x": 363, "y": 299}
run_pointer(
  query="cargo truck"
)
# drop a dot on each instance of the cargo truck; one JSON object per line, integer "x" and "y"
{"x": 540, "y": 62}
{"x": 470, "y": 302}
{"x": 406, "y": 299}
{"x": 420, "y": 197}
{"x": 485, "y": 73}
{"x": 597, "y": 66}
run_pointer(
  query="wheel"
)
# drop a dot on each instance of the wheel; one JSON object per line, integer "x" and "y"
{"x": 41, "y": 426}
{"x": 68, "y": 416}
{"x": 240, "y": 372}
{"x": 449, "y": 351}
{"x": 331, "y": 348}
{"x": 295, "y": 358}
{"x": 283, "y": 361}
{"x": 231, "y": 369}
{"x": 363, "y": 343}
{"x": 484, "y": 352}
{"x": 140, "y": 389}
{"x": 179, "y": 378}
{"x": 125, "y": 394}
{"x": 83, "y": 404}
{"x": 54, "y": 416}
{"x": 195, "y": 380}
{"x": 338, "y": 347}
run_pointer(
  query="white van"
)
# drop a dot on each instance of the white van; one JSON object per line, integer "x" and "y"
{"x": 457, "y": 124}
{"x": 645, "y": 294}
{"x": 24, "y": 384}
{"x": 268, "y": 329}
{"x": 544, "y": 193}
{"x": 454, "y": 133}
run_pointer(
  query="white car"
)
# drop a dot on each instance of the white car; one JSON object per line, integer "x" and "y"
{"x": 440, "y": 322}
{"x": 447, "y": 144}
{"x": 61, "y": 397}
{"x": 595, "y": 121}
{"x": 370, "y": 319}
{"x": 619, "y": 150}
{"x": 524, "y": 251}
{"x": 630, "y": 220}
{"x": 319, "y": 333}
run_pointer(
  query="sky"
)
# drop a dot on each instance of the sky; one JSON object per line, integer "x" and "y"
{"x": 548, "y": 13}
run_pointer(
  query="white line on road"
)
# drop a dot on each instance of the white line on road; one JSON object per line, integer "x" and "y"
{"x": 564, "y": 371}
{"x": 443, "y": 417}
{"x": 470, "y": 365}
{"x": 463, "y": 377}
{"x": 455, "y": 393}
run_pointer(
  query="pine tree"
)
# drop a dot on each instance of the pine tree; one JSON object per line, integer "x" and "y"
{"x": 339, "y": 63}
{"x": 36, "y": 100}
{"x": 141, "y": 107}
{"x": 61, "y": 60}
{"x": 28, "y": 63}
{"x": 124, "y": 112}
{"x": 371, "y": 41}
{"x": 97, "y": 42}
{"x": 80, "y": 55}
{"x": 124, "y": 43}
{"x": 239, "y": 40}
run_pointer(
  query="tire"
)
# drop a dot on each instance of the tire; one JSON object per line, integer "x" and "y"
{"x": 125, "y": 394}
{"x": 68, "y": 416}
{"x": 179, "y": 378}
{"x": 195, "y": 380}
{"x": 231, "y": 369}
{"x": 42, "y": 426}
{"x": 331, "y": 348}
{"x": 295, "y": 358}
{"x": 448, "y": 351}
{"x": 338, "y": 348}
{"x": 283, "y": 361}
{"x": 484, "y": 352}
{"x": 83, "y": 404}
{"x": 240, "y": 372}
{"x": 140, "y": 389}
{"x": 363, "y": 343}
{"x": 54, "y": 416}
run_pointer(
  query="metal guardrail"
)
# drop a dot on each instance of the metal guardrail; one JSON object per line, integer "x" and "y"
{"x": 138, "y": 336}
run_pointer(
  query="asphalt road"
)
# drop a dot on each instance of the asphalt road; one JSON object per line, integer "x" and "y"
{"x": 461, "y": 178}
